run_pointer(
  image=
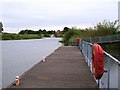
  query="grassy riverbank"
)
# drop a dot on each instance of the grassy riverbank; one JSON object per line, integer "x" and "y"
{"x": 29, "y": 34}
{"x": 19, "y": 36}
{"x": 112, "y": 48}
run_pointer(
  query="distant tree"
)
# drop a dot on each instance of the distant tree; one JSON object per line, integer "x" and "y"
{"x": 106, "y": 28}
{"x": 27, "y": 32}
{"x": 44, "y": 31}
{"x": 30, "y": 32}
{"x": 40, "y": 31}
{"x": 21, "y": 32}
{"x": 1, "y": 27}
{"x": 51, "y": 32}
{"x": 65, "y": 29}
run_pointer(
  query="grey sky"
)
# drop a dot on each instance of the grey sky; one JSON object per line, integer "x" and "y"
{"x": 55, "y": 14}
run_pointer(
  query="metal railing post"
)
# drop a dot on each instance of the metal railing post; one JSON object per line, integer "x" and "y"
{"x": 87, "y": 52}
{"x": 108, "y": 82}
{"x": 119, "y": 76}
{"x": 91, "y": 56}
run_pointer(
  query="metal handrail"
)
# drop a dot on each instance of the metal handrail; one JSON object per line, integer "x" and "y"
{"x": 103, "y": 39}
{"x": 113, "y": 58}
{"x": 110, "y": 78}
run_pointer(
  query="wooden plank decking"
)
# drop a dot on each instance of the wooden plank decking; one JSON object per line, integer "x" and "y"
{"x": 65, "y": 68}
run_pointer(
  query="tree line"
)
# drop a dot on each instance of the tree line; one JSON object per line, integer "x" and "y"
{"x": 40, "y": 31}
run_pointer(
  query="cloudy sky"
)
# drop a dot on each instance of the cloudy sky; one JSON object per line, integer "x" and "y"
{"x": 55, "y": 14}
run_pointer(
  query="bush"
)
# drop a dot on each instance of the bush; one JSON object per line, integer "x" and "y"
{"x": 46, "y": 35}
{"x": 70, "y": 36}
{"x": 101, "y": 29}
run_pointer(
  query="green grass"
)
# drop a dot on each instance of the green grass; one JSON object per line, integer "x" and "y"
{"x": 19, "y": 36}
{"x": 112, "y": 48}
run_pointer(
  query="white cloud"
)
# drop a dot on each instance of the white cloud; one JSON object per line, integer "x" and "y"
{"x": 19, "y": 14}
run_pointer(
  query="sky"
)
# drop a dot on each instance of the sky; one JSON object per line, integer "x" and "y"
{"x": 19, "y": 15}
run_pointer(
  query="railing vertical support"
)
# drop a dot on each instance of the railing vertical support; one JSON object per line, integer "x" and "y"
{"x": 119, "y": 76}
{"x": 108, "y": 83}
{"x": 90, "y": 40}
{"x": 98, "y": 83}
{"x": 87, "y": 52}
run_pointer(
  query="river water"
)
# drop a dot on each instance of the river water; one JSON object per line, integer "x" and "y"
{"x": 20, "y": 55}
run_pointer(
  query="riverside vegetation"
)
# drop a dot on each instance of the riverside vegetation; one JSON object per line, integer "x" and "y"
{"x": 29, "y": 34}
{"x": 9, "y": 36}
{"x": 69, "y": 35}
{"x": 104, "y": 28}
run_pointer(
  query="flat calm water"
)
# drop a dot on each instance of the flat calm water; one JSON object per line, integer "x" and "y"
{"x": 20, "y": 55}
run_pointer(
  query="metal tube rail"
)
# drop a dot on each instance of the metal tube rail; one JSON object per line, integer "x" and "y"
{"x": 103, "y": 39}
{"x": 110, "y": 78}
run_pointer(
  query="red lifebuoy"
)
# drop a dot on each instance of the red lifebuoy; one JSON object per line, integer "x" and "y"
{"x": 78, "y": 40}
{"x": 97, "y": 61}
